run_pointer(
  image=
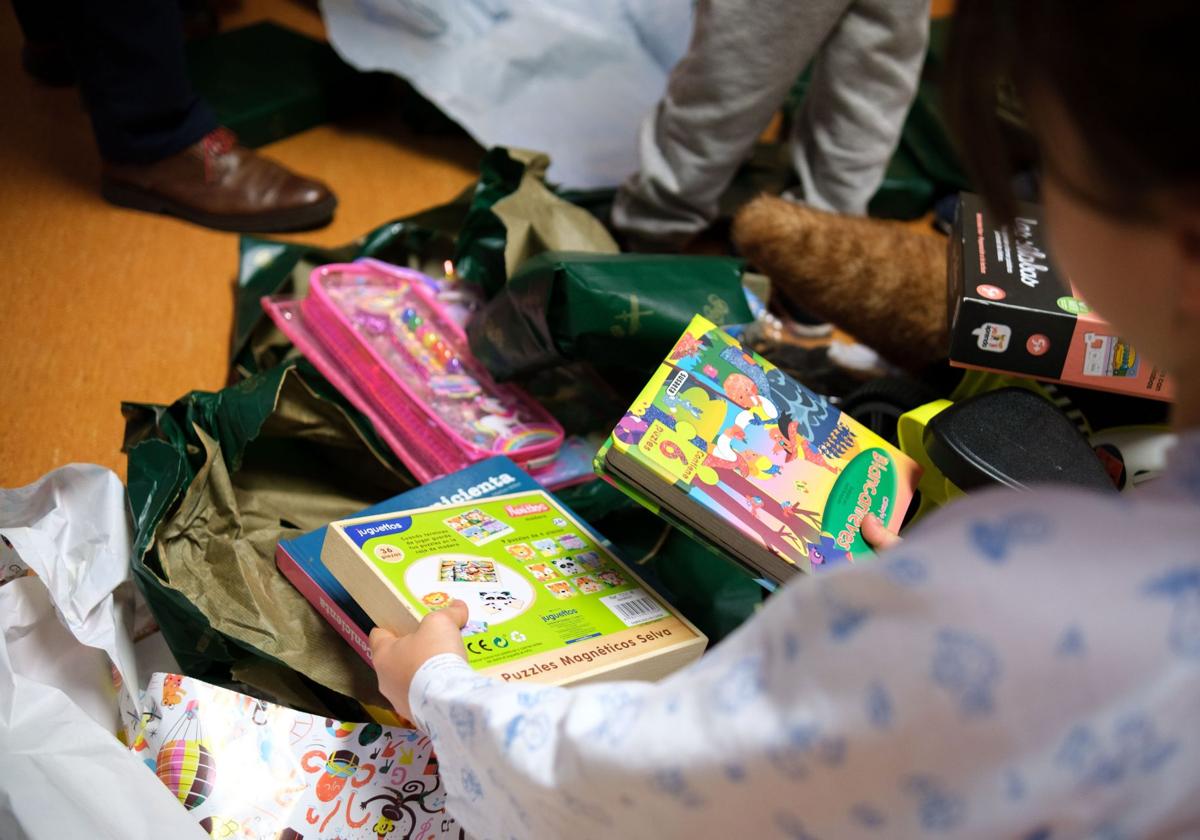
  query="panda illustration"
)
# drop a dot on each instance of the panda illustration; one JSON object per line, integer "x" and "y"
{"x": 567, "y": 566}
{"x": 498, "y": 600}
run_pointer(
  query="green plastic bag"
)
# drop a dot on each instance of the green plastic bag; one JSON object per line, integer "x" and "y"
{"x": 514, "y": 216}
{"x": 616, "y": 311}
{"x": 488, "y": 230}
{"x": 215, "y": 480}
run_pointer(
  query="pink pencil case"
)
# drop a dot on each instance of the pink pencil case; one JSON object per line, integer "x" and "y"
{"x": 380, "y": 336}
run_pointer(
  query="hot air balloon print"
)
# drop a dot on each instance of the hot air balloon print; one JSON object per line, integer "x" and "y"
{"x": 185, "y": 763}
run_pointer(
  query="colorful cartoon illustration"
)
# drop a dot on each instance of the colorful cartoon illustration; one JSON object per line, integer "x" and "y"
{"x": 827, "y": 553}
{"x": 171, "y": 691}
{"x": 588, "y": 585}
{"x": 338, "y": 729}
{"x": 560, "y": 589}
{"x": 312, "y": 777}
{"x": 496, "y": 601}
{"x": 689, "y": 345}
{"x": 759, "y": 446}
{"x": 612, "y": 578}
{"x": 185, "y": 762}
{"x": 631, "y": 428}
{"x": 338, "y": 769}
{"x": 472, "y": 628}
{"x": 468, "y": 571}
{"x": 521, "y": 552}
{"x": 478, "y": 527}
{"x": 571, "y": 542}
{"x": 542, "y": 571}
{"x": 589, "y": 560}
{"x": 436, "y": 600}
{"x": 547, "y": 547}
{"x": 496, "y": 419}
{"x": 398, "y": 813}
{"x": 814, "y": 457}
{"x": 566, "y": 566}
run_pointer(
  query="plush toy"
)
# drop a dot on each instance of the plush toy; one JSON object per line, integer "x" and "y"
{"x": 880, "y": 281}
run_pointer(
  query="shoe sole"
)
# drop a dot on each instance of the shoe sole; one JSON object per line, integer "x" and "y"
{"x": 274, "y": 221}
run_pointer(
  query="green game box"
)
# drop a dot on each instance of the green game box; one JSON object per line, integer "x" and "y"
{"x": 546, "y": 602}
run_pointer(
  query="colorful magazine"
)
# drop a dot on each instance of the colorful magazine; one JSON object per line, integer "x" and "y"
{"x": 743, "y": 456}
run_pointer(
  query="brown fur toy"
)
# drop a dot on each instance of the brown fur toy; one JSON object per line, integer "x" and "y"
{"x": 880, "y": 281}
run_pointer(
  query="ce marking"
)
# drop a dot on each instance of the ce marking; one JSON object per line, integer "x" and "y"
{"x": 482, "y": 646}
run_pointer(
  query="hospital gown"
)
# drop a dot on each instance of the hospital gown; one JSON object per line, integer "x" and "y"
{"x": 1024, "y": 665}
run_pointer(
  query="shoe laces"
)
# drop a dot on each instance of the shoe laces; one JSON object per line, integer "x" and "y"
{"x": 218, "y": 142}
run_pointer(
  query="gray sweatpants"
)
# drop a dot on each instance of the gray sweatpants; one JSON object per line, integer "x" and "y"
{"x": 744, "y": 57}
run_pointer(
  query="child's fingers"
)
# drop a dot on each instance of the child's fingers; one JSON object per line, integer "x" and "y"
{"x": 380, "y": 639}
{"x": 876, "y": 534}
{"x": 458, "y": 611}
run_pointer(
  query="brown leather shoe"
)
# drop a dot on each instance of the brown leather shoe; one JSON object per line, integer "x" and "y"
{"x": 220, "y": 184}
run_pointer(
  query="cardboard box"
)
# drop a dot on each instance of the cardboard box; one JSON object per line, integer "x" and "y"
{"x": 547, "y": 601}
{"x": 1012, "y": 311}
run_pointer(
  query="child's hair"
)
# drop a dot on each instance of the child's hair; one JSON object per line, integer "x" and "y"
{"x": 1125, "y": 70}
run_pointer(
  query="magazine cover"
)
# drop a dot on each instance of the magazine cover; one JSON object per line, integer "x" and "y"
{"x": 769, "y": 457}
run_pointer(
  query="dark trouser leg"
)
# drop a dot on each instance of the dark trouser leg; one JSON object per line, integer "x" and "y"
{"x": 129, "y": 54}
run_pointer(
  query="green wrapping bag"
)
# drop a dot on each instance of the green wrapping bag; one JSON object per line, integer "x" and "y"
{"x": 215, "y": 480}
{"x": 616, "y": 311}
{"x": 514, "y": 216}
{"x": 487, "y": 230}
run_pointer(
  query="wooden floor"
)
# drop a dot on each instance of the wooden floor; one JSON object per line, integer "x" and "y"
{"x": 99, "y": 304}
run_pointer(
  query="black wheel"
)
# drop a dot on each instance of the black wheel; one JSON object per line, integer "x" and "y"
{"x": 879, "y": 403}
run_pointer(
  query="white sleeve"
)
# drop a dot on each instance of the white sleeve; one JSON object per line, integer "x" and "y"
{"x": 610, "y": 759}
{"x": 947, "y": 688}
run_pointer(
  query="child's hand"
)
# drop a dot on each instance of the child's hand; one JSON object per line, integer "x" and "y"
{"x": 876, "y": 534}
{"x": 398, "y": 658}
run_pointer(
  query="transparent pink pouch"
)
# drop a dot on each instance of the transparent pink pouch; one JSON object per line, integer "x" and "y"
{"x": 378, "y": 334}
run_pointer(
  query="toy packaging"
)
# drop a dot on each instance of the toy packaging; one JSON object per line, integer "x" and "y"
{"x": 547, "y": 600}
{"x": 382, "y": 338}
{"x": 1012, "y": 311}
{"x": 736, "y": 452}
{"x": 300, "y": 558}
{"x": 247, "y": 768}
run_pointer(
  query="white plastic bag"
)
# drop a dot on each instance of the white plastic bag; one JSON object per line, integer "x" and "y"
{"x": 570, "y": 78}
{"x": 62, "y": 631}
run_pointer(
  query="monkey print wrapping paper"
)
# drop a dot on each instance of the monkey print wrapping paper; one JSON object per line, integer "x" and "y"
{"x": 245, "y": 768}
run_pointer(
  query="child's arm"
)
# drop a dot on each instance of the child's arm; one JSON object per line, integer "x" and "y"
{"x": 759, "y": 718}
{"x": 979, "y": 680}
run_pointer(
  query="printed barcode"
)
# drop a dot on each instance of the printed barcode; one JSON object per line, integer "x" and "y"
{"x": 638, "y": 608}
{"x": 634, "y": 607}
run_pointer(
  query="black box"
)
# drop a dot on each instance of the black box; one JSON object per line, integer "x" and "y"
{"x": 1011, "y": 311}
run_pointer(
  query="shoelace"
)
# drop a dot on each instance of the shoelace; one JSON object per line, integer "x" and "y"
{"x": 217, "y": 142}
